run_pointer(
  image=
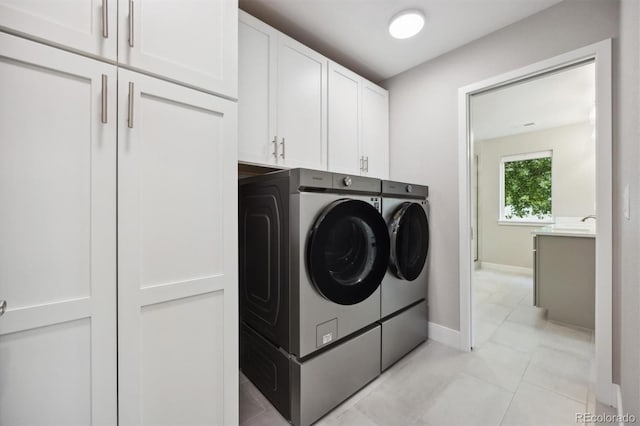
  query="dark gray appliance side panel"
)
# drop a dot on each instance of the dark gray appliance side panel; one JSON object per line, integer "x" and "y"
{"x": 268, "y": 369}
{"x": 297, "y": 242}
{"x": 264, "y": 258}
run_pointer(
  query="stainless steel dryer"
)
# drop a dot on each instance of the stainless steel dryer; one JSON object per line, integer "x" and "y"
{"x": 314, "y": 249}
{"x": 404, "y": 287}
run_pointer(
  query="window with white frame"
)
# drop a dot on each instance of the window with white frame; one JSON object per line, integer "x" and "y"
{"x": 525, "y": 187}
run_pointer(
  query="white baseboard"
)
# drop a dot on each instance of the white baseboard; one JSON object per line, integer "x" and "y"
{"x": 444, "y": 335}
{"x": 507, "y": 268}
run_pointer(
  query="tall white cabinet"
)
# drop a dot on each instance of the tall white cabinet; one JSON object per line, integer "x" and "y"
{"x": 87, "y": 26}
{"x": 118, "y": 213}
{"x": 177, "y": 245}
{"x": 58, "y": 231}
{"x": 193, "y": 42}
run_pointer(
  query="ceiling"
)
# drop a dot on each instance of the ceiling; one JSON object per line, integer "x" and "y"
{"x": 553, "y": 100}
{"x": 354, "y": 32}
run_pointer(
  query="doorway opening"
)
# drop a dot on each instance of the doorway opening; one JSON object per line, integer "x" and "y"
{"x": 535, "y": 155}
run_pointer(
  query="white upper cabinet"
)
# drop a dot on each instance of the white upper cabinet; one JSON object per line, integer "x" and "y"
{"x": 282, "y": 99}
{"x": 358, "y": 125}
{"x": 88, "y": 26}
{"x": 257, "y": 67}
{"x": 177, "y": 255}
{"x": 193, "y": 42}
{"x": 302, "y": 100}
{"x": 344, "y": 120}
{"x": 297, "y": 109}
{"x": 58, "y": 231}
{"x": 375, "y": 130}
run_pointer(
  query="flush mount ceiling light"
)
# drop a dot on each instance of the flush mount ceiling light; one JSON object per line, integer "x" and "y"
{"x": 406, "y": 24}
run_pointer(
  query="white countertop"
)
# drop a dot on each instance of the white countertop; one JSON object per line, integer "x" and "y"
{"x": 580, "y": 229}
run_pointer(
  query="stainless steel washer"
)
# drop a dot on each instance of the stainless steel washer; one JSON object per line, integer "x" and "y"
{"x": 404, "y": 288}
{"x": 314, "y": 249}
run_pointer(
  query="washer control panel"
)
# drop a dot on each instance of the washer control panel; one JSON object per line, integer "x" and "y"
{"x": 375, "y": 202}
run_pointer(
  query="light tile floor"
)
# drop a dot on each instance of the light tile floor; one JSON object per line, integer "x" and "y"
{"x": 524, "y": 370}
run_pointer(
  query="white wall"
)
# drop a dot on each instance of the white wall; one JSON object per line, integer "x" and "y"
{"x": 424, "y": 131}
{"x": 424, "y": 120}
{"x": 573, "y": 182}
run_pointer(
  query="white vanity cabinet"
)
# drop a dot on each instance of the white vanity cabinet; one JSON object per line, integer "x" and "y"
{"x": 282, "y": 99}
{"x": 193, "y": 42}
{"x": 358, "y": 127}
{"x": 58, "y": 229}
{"x": 564, "y": 277}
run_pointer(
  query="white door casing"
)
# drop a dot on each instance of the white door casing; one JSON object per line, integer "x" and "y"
{"x": 192, "y": 42}
{"x": 601, "y": 53}
{"x": 58, "y": 232}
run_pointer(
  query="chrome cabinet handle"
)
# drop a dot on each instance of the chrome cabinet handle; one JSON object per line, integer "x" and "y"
{"x": 275, "y": 147}
{"x": 3, "y": 307}
{"x": 362, "y": 163}
{"x": 282, "y": 143}
{"x": 130, "y": 116}
{"x": 103, "y": 117}
{"x": 130, "y": 23}
{"x": 105, "y": 18}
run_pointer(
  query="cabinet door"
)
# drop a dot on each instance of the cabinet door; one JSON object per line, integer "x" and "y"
{"x": 375, "y": 130}
{"x": 88, "y": 26}
{"x": 177, "y": 254}
{"x": 344, "y": 120}
{"x": 302, "y": 101}
{"x": 257, "y": 50}
{"x": 58, "y": 232}
{"x": 193, "y": 42}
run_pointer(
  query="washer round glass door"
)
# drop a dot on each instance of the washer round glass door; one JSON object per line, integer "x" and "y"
{"x": 348, "y": 251}
{"x": 409, "y": 231}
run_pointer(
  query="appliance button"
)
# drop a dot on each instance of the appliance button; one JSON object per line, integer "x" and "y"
{"x": 409, "y": 188}
{"x": 347, "y": 181}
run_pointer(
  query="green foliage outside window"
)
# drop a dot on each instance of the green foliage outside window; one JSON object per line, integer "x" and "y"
{"x": 527, "y": 188}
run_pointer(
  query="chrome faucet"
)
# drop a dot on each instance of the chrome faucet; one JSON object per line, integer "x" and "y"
{"x": 591, "y": 216}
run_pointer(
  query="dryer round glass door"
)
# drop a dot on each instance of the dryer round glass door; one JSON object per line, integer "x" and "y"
{"x": 409, "y": 230}
{"x": 348, "y": 251}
